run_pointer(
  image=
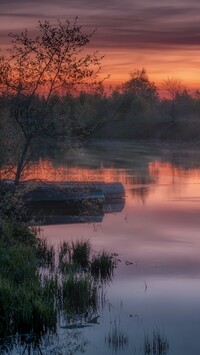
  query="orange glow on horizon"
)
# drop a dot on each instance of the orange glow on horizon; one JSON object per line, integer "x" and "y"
{"x": 162, "y": 37}
{"x": 160, "y": 65}
{"x": 117, "y": 64}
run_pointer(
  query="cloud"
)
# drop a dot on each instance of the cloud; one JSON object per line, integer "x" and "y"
{"x": 131, "y": 33}
{"x": 126, "y": 24}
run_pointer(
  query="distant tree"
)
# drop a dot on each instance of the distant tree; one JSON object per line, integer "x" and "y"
{"x": 139, "y": 85}
{"x": 173, "y": 88}
{"x": 135, "y": 101}
{"x": 197, "y": 94}
{"x": 36, "y": 68}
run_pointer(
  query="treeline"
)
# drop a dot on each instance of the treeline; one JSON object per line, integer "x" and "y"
{"x": 133, "y": 110}
{"x": 50, "y": 87}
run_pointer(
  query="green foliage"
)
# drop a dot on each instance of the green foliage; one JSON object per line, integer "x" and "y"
{"x": 81, "y": 253}
{"x": 25, "y": 303}
{"x": 36, "y": 286}
{"x": 133, "y": 110}
{"x": 78, "y": 256}
{"x": 79, "y": 294}
{"x": 65, "y": 261}
{"x": 39, "y": 67}
{"x": 45, "y": 253}
{"x": 102, "y": 266}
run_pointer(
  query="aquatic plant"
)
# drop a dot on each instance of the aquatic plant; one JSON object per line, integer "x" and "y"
{"x": 116, "y": 339}
{"x": 45, "y": 252}
{"x": 103, "y": 265}
{"x": 24, "y": 301}
{"x": 81, "y": 253}
{"x": 156, "y": 345}
{"x": 37, "y": 285}
{"x": 64, "y": 258}
{"x": 64, "y": 252}
{"x": 76, "y": 255}
{"x": 80, "y": 294}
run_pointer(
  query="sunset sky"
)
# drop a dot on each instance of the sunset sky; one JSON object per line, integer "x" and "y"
{"x": 162, "y": 36}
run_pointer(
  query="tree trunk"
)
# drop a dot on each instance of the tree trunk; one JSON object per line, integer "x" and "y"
{"x": 20, "y": 165}
{"x": 173, "y": 111}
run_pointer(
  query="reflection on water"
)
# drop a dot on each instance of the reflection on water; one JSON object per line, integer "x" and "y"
{"x": 156, "y": 237}
{"x": 72, "y": 202}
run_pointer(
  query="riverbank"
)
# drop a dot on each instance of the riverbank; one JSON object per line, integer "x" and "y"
{"x": 40, "y": 284}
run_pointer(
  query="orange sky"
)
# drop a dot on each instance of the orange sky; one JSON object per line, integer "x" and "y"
{"x": 162, "y": 36}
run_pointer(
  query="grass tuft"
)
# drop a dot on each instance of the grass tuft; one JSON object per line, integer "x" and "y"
{"x": 79, "y": 294}
{"x": 35, "y": 291}
{"x": 81, "y": 253}
{"x": 102, "y": 266}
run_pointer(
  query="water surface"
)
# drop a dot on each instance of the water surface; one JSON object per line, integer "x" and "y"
{"x": 156, "y": 285}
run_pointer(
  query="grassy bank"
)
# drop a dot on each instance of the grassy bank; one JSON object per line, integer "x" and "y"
{"x": 27, "y": 304}
{"x": 39, "y": 283}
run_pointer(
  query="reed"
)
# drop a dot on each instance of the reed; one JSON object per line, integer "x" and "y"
{"x": 157, "y": 344}
{"x": 26, "y": 302}
{"x": 64, "y": 252}
{"x": 116, "y": 339}
{"x": 81, "y": 253}
{"x": 64, "y": 258}
{"x": 35, "y": 290}
{"x": 80, "y": 294}
{"x": 102, "y": 266}
{"x": 45, "y": 253}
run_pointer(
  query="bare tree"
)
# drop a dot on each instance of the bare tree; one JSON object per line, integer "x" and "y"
{"x": 172, "y": 88}
{"x": 36, "y": 67}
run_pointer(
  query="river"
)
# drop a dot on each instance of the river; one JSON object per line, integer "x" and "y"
{"x": 156, "y": 238}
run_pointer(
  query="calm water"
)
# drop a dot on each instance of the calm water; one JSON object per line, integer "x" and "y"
{"x": 156, "y": 285}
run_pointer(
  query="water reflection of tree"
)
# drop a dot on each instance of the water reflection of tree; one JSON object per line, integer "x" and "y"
{"x": 142, "y": 186}
{"x": 140, "y": 193}
{"x": 119, "y": 155}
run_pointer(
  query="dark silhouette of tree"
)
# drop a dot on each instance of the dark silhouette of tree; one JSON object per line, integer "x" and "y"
{"x": 139, "y": 85}
{"x": 134, "y": 103}
{"x": 36, "y": 68}
{"x": 173, "y": 88}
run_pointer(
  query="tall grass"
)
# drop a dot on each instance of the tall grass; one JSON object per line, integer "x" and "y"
{"x": 102, "y": 266}
{"x": 81, "y": 253}
{"x": 45, "y": 253}
{"x": 35, "y": 289}
{"x": 25, "y": 303}
{"x": 80, "y": 294}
